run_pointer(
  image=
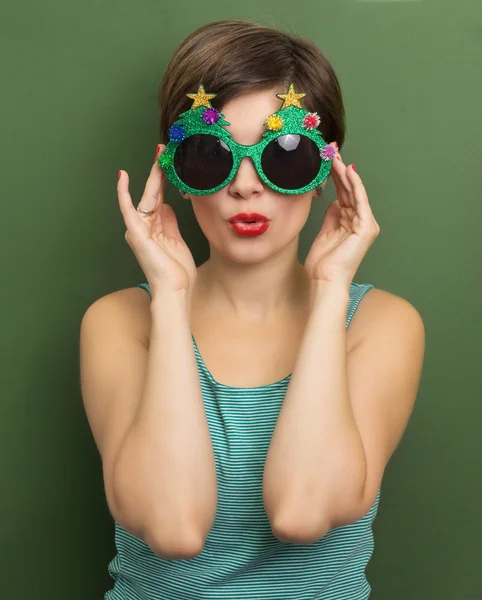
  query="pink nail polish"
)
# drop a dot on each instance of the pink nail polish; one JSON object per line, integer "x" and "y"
{"x": 158, "y": 150}
{"x": 353, "y": 167}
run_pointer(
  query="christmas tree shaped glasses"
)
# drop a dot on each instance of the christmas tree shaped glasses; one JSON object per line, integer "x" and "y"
{"x": 202, "y": 158}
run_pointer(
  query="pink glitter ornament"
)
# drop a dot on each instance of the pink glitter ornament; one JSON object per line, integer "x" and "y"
{"x": 329, "y": 152}
{"x": 311, "y": 121}
{"x": 211, "y": 116}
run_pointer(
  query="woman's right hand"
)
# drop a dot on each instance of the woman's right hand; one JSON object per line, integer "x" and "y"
{"x": 155, "y": 239}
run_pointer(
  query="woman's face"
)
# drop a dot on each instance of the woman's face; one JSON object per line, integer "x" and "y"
{"x": 246, "y": 193}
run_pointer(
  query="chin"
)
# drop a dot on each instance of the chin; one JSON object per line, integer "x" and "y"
{"x": 250, "y": 251}
{"x": 244, "y": 252}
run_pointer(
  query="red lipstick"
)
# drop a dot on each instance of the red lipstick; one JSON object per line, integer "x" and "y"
{"x": 249, "y": 224}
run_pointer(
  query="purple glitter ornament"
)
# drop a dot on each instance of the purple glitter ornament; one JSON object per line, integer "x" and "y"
{"x": 211, "y": 116}
{"x": 329, "y": 152}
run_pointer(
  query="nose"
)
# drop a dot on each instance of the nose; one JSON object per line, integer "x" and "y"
{"x": 246, "y": 183}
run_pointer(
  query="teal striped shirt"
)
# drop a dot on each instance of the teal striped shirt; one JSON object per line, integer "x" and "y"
{"x": 241, "y": 558}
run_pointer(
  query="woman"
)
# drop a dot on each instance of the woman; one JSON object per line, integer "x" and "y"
{"x": 244, "y": 411}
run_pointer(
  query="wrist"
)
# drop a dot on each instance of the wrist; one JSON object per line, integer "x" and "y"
{"x": 168, "y": 303}
{"x": 329, "y": 306}
{"x": 329, "y": 291}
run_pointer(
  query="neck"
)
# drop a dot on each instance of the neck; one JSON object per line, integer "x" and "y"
{"x": 255, "y": 290}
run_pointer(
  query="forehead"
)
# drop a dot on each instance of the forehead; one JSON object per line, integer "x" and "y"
{"x": 247, "y": 114}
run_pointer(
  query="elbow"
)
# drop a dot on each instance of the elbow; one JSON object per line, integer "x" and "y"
{"x": 168, "y": 541}
{"x": 300, "y": 528}
{"x": 165, "y": 536}
{"x": 177, "y": 545}
{"x": 169, "y": 536}
{"x": 308, "y": 525}
{"x": 295, "y": 532}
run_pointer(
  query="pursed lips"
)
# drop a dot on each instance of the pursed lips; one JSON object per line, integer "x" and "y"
{"x": 248, "y": 218}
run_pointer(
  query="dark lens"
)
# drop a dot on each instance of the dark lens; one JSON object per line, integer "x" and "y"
{"x": 203, "y": 161}
{"x": 291, "y": 161}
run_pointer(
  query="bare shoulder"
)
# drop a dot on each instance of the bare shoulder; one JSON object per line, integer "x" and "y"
{"x": 381, "y": 310}
{"x": 113, "y": 362}
{"x": 129, "y": 305}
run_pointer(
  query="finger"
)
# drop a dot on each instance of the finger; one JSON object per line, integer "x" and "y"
{"x": 331, "y": 219}
{"x": 153, "y": 195}
{"x": 170, "y": 225}
{"x": 129, "y": 213}
{"x": 360, "y": 196}
{"x": 342, "y": 184}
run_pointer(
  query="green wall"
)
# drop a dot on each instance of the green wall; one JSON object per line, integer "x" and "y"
{"x": 78, "y": 102}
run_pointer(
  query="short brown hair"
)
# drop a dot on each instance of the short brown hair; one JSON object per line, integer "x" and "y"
{"x": 234, "y": 57}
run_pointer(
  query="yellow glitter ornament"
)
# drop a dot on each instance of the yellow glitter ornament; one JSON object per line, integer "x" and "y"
{"x": 291, "y": 98}
{"x": 274, "y": 123}
{"x": 201, "y": 98}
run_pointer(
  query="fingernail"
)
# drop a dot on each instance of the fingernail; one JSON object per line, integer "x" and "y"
{"x": 158, "y": 150}
{"x": 335, "y": 144}
{"x": 353, "y": 167}
{"x": 119, "y": 175}
{"x": 338, "y": 157}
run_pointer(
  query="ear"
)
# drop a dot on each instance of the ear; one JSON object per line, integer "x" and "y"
{"x": 317, "y": 191}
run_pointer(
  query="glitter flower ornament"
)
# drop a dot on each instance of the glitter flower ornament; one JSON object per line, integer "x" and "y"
{"x": 165, "y": 161}
{"x": 274, "y": 123}
{"x": 329, "y": 152}
{"x": 311, "y": 121}
{"x": 211, "y": 116}
{"x": 177, "y": 133}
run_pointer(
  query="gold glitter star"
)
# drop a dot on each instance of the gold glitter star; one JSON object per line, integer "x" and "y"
{"x": 201, "y": 98}
{"x": 290, "y": 98}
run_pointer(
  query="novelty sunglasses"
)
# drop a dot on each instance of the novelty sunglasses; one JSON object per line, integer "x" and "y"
{"x": 202, "y": 158}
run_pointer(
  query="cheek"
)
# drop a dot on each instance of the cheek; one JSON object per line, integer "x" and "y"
{"x": 295, "y": 210}
{"x": 206, "y": 211}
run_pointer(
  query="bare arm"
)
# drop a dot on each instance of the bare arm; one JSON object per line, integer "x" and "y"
{"x": 343, "y": 415}
{"x": 146, "y": 411}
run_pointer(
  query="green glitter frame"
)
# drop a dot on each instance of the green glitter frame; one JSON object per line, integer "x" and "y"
{"x": 193, "y": 124}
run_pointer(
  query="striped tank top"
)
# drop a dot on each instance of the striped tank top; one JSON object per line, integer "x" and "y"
{"x": 241, "y": 558}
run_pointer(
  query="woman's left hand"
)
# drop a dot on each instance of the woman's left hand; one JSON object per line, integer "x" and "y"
{"x": 347, "y": 232}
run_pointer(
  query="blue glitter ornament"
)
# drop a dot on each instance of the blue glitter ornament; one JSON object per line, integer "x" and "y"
{"x": 177, "y": 133}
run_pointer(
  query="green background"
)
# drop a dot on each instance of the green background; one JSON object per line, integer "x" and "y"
{"x": 79, "y": 84}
